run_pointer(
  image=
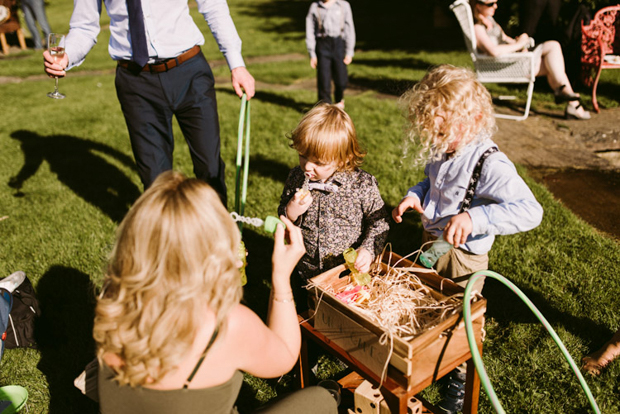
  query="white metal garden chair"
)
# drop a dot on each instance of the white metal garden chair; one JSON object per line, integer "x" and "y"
{"x": 508, "y": 68}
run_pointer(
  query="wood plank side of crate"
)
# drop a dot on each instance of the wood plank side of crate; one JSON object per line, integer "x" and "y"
{"x": 357, "y": 341}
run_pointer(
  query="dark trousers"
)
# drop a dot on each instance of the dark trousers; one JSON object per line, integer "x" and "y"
{"x": 538, "y": 18}
{"x": 330, "y": 65}
{"x": 150, "y": 100}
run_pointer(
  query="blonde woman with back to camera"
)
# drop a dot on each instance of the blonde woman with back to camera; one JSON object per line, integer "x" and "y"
{"x": 171, "y": 333}
{"x": 493, "y": 41}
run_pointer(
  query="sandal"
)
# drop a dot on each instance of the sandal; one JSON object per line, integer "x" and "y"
{"x": 572, "y": 112}
{"x": 565, "y": 97}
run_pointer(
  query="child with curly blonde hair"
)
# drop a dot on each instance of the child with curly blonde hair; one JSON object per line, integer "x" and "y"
{"x": 451, "y": 118}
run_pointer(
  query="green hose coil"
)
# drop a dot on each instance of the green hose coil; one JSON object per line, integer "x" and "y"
{"x": 241, "y": 183}
{"x": 475, "y": 354}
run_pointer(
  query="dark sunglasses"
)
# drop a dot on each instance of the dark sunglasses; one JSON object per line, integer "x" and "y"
{"x": 487, "y": 4}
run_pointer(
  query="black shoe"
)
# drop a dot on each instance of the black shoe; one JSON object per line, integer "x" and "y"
{"x": 454, "y": 395}
{"x": 565, "y": 97}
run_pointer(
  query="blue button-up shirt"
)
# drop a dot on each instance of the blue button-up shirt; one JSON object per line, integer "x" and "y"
{"x": 170, "y": 30}
{"x": 502, "y": 204}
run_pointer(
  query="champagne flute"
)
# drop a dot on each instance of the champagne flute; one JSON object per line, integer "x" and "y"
{"x": 56, "y": 47}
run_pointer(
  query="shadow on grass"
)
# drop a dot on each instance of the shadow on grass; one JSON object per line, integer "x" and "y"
{"x": 405, "y": 237}
{"x": 390, "y": 25}
{"x": 395, "y": 87}
{"x": 505, "y": 307}
{"x": 78, "y": 165}
{"x": 301, "y": 107}
{"x": 606, "y": 90}
{"x": 405, "y": 63}
{"x": 266, "y": 167}
{"x": 273, "y": 98}
{"x": 64, "y": 335}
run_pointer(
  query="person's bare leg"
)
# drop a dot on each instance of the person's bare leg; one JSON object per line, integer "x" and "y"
{"x": 594, "y": 363}
{"x": 552, "y": 66}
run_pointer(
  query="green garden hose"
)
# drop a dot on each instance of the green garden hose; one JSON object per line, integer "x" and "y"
{"x": 484, "y": 378}
{"x": 241, "y": 183}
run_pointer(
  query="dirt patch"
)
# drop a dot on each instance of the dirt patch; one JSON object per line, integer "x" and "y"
{"x": 592, "y": 194}
{"x": 578, "y": 161}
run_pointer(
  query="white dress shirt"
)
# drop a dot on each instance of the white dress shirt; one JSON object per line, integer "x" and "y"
{"x": 170, "y": 29}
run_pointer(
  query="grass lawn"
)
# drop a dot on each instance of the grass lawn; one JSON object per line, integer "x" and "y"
{"x": 67, "y": 177}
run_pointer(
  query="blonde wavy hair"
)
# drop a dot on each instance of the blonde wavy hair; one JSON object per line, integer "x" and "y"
{"x": 454, "y": 96}
{"x": 174, "y": 258}
{"x": 327, "y": 133}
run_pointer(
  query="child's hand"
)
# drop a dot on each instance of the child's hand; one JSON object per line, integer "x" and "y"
{"x": 363, "y": 261}
{"x": 458, "y": 229}
{"x": 298, "y": 205}
{"x": 348, "y": 59}
{"x": 313, "y": 62}
{"x": 411, "y": 202}
{"x": 285, "y": 256}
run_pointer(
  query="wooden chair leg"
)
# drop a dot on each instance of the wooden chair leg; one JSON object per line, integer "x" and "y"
{"x": 22, "y": 40}
{"x": 5, "y": 45}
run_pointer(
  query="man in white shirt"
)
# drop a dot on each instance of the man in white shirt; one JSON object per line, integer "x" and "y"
{"x": 162, "y": 72}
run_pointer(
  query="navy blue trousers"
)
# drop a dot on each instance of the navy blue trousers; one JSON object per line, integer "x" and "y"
{"x": 330, "y": 65}
{"x": 150, "y": 100}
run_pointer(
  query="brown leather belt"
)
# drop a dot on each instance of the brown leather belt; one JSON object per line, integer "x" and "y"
{"x": 164, "y": 66}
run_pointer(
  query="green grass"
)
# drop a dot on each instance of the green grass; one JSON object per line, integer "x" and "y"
{"x": 67, "y": 177}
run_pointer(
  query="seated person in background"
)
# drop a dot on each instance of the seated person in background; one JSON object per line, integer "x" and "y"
{"x": 493, "y": 41}
{"x": 171, "y": 334}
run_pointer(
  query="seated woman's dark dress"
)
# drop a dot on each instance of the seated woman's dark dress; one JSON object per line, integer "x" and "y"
{"x": 122, "y": 399}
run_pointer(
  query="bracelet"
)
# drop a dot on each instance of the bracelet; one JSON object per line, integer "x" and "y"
{"x": 283, "y": 300}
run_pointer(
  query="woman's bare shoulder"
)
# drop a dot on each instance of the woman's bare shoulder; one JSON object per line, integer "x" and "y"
{"x": 242, "y": 321}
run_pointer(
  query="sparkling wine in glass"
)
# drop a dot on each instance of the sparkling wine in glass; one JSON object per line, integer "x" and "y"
{"x": 56, "y": 47}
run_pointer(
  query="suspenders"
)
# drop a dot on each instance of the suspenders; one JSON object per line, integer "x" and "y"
{"x": 473, "y": 181}
{"x": 321, "y": 28}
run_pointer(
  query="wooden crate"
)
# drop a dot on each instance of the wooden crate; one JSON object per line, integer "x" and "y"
{"x": 423, "y": 359}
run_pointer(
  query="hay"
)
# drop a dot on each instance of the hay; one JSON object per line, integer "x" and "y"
{"x": 400, "y": 303}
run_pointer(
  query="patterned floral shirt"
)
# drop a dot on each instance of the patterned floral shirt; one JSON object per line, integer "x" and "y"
{"x": 352, "y": 216}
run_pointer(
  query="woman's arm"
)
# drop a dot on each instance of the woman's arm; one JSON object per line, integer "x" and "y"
{"x": 272, "y": 350}
{"x": 486, "y": 45}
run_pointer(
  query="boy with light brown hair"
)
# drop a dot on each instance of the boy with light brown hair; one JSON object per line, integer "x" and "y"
{"x": 336, "y": 204}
